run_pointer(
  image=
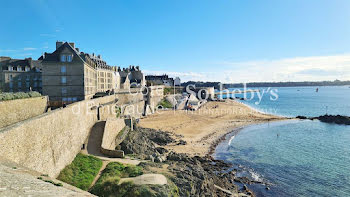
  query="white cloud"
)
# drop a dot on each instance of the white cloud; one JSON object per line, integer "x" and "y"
{"x": 292, "y": 69}
{"x": 48, "y": 35}
{"x": 314, "y": 68}
{"x": 29, "y": 49}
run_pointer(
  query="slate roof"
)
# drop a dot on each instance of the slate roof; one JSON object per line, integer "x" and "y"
{"x": 5, "y": 62}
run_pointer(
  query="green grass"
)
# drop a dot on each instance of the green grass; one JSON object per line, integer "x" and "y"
{"x": 165, "y": 104}
{"x": 107, "y": 184}
{"x": 81, "y": 172}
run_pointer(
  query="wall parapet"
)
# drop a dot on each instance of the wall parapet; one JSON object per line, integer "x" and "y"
{"x": 17, "y": 110}
{"x": 112, "y": 128}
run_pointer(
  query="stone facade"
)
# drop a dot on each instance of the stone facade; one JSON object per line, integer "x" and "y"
{"x": 21, "y": 109}
{"x": 153, "y": 80}
{"x": 155, "y": 95}
{"x": 20, "y": 75}
{"x": 70, "y": 75}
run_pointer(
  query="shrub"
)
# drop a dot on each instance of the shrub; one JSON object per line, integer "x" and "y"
{"x": 167, "y": 90}
{"x": 165, "y": 104}
{"x": 34, "y": 94}
{"x": 6, "y": 96}
{"x": 18, "y": 95}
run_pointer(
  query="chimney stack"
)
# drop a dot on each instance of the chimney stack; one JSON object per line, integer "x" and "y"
{"x": 58, "y": 44}
{"x": 72, "y": 45}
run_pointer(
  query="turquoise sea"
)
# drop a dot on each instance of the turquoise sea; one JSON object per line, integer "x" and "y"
{"x": 296, "y": 157}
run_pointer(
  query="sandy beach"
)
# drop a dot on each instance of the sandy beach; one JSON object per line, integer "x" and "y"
{"x": 203, "y": 129}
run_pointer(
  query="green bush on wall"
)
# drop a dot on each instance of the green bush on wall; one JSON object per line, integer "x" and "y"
{"x": 118, "y": 111}
{"x": 18, "y": 95}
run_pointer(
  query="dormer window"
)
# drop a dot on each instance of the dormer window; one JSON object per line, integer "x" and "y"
{"x": 63, "y": 58}
{"x": 27, "y": 68}
{"x": 69, "y": 58}
{"x": 19, "y": 68}
{"x": 10, "y": 68}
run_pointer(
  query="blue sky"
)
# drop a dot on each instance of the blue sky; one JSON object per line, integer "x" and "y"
{"x": 226, "y": 40}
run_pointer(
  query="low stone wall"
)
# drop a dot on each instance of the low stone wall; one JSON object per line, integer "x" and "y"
{"x": 49, "y": 142}
{"x": 21, "y": 109}
{"x": 135, "y": 110}
{"x": 112, "y": 129}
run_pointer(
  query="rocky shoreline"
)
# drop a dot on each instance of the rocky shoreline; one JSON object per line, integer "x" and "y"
{"x": 192, "y": 175}
{"x": 336, "y": 119}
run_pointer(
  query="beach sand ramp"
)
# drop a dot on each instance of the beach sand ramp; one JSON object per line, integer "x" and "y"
{"x": 146, "y": 179}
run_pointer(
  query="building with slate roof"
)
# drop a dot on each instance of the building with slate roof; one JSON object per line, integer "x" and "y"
{"x": 70, "y": 75}
{"x": 20, "y": 75}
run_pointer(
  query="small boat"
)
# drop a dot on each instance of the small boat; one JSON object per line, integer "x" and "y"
{"x": 316, "y": 89}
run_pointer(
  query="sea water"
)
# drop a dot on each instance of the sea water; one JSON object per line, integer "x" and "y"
{"x": 295, "y": 157}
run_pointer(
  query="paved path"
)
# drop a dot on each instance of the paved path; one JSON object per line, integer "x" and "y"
{"x": 94, "y": 146}
{"x": 104, "y": 165}
{"x": 147, "y": 179}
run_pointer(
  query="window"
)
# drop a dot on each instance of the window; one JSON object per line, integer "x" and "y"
{"x": 19, "y": 84}
{"x": 10, "y": 68}
{"x": 40, "y": 84}
{"x": 27, "y": 78}
{"x": 64, "y": 99}
{"x": 64, "y": 90}
{"x": 75, "y": 99}
{"x": 63, "y": 79}
{"x": 63, "y": 69}
{"x": 27, "y": 68}
{"x": 19, "y": 78}
{"x": 11, "y": 85}
{"x": 63, "y": 58}
{"x": 10, "y": 77}
{"x": 19, "y": 68}
{"x": 69, "y": 58}
{"x": 35, "y": 84}
{"x": 27, "y": 84}
{"x": 35, "y": 77}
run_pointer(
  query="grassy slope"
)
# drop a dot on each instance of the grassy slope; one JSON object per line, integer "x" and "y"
{"x": 81, "y": 172}
{"x": 107, "y": 184}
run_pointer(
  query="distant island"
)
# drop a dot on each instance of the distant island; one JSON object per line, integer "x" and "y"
{"x": 216, "y": 85}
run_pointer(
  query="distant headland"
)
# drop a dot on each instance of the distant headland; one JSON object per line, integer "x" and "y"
{"x": 216, "y": 85}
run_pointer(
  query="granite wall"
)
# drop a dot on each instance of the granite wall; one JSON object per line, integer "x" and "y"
{"x": 48, "y": 142}
{"x": 112, "y": 128}
{"x": 13, "y": 111}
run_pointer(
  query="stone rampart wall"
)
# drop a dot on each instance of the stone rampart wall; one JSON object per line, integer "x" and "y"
{"x": 17, "y": 110}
